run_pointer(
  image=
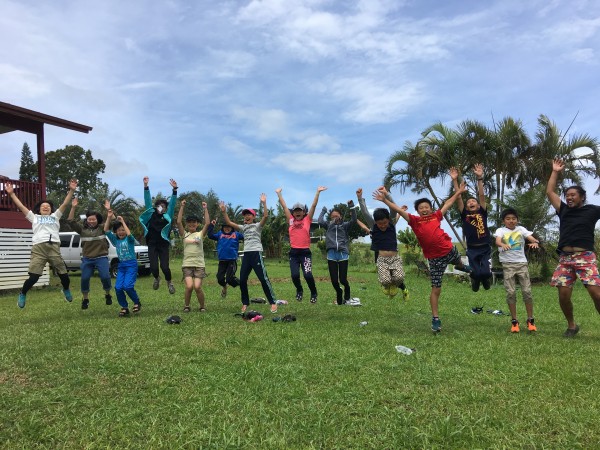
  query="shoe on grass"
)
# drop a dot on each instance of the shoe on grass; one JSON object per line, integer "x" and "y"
{"x": 393, "y": 291}
{"x": 274, "y": 308}
{"x": 85, "y": 303}
{"x": 299, "y": 296}
{"x": 68, "y": 295}
{"x": 405, "y": 294}
{"x": 530, "y": 325}
{"x": 313, "y": 298}
{"x": 571, "y": 332}
{"x": 21, "y": 301}
{"x": 171, "y": 287}
{"x": 475, "y": 284}
{"x": 156, "y": 283}
{"x": 436, "y": 325}
{"x": 224, "y": 292}
{"x": 108, "y": 299}
{"x": 514, "y": 326}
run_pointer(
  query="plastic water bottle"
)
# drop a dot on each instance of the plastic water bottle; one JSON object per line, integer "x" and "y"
{"x": 405, "y": 350}
{"x": 362, "y": 324}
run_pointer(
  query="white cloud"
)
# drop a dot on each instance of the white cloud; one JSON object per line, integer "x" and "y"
{"x": 583, "y": 55}
{"x": 263, "y": 123}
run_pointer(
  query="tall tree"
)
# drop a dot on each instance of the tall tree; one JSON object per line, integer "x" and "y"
{"x": 74, "y": 162}
{"x": 28, "y": 170}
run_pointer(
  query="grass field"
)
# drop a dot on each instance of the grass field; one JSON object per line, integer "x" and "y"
{"x": 88, "y": 379}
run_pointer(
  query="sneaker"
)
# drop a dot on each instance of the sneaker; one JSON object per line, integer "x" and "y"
{"x": 487, "y": 284}
{"x": 299, "y": 296}
{"x": 475, "y": 284}
{"x": 514, "y": 328}
{"x": 313, "y": 298}
{"x": 108, "y": 299}
{"x": 465, "y": 268}
{"x": 530, "y": 325}
{"x": 393, "y": 291}
{"x": 274, "y": 308}
{"x": 405, "y": 294}
{"x": 21, "y": 301}
{"x": 386, "y": 290}
{"x": 68, "y": 296}
{"x": 224, "y": 292}
{"x": 85, "y": 303}
{"x": 156, "y": 284}
{"x": 436, "y": 325}
{"x": 571, "y": 332}
{"x": 171, "y": 288}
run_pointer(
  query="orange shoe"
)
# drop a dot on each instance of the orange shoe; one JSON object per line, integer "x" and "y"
{"x": 530, "y": 325}
{"x": 515, "y": 326}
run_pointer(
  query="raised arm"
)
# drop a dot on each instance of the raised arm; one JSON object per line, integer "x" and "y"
{"x": 110, "y": 215}
{"x": 67, "y": 200}
{"x": 8, "y": 187}
{"x": 363, "y": 208}
{"x": 180, "y": 227}
{"x": 173, "y": 199}
{"x": 478, "y": 171}
{"x": 147, "y": 196}
{"x": 557, "y": 166}
{"x": 206, "y": 219}
{"x": 286, "y": 211}
{"x": 363, "y": 227}
{"x": 313, "y": 207}
{"x": 446, "y": 206}
{"x": 228, "y": 222}
{"x": 74, "y": 204}
{"x": 321, "y": 218}
{"x": 454, "y": 175}
{"x": 263, "y": 201}
{"x": 353, "y": 218}
{"x": 381, "y": 194}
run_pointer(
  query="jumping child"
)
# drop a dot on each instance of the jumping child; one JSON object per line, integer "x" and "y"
{"x": 435, "y": 242}
{"x": 299, "y": 220}
{"x": 193, "y": 266}
{"x": 124, "y": 242}
{"x": 253, "y": 259}
{"x": 338, "y": 253}
{"x": 94, "y": 251}
{"x": 510, "y": 240}
{"x": 228, "y": 243}
{"x": 156, "y": 221}
{"x": 46, "y": 241}
{"x": 476, "y": 231}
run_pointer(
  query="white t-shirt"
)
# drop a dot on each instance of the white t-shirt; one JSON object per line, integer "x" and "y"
{"x": 45, "y": 228}
{"x": 516, "y": 239}
{"x": 252, "y": 237}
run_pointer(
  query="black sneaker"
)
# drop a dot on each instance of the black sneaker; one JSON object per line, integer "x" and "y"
{"x": 85, "y": 303}
{"x": 571, "y": 332}
{"x": 299, "y": 296}
{"x": 475, "y": 284}
{"x": 108, "y": 299}
{"x": 313, "y": 298}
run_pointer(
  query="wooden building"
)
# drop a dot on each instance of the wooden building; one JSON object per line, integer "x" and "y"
{"x": 15, "y": 230}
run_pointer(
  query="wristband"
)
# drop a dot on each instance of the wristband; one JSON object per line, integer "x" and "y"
{"x": 479, "y": 179}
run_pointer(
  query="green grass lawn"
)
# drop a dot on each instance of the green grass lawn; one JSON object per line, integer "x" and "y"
{"x": 88, "y": 379}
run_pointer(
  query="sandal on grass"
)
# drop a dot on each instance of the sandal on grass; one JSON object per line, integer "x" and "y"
{"x": 202, "y": 309}
{"x": 124, "y": 312}
{"x": 137, "y": 307}
{"x": 187, "y": 309}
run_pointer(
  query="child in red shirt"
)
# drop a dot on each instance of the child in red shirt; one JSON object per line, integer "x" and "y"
{"x": 435, "y": 242}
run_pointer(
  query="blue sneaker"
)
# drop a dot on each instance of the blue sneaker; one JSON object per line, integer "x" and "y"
{"x": 436, "y": 325}
{"x": 21, "y": 301}
{"x": 68, "y": 296}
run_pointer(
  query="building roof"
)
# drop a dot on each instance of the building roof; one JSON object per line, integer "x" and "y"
{"x": 17, "y": 118}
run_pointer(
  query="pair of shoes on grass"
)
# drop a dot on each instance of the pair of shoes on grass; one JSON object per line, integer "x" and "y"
{"x": 514, "y": 326}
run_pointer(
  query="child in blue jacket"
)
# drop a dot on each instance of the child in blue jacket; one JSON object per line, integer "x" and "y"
{"x": 228, "y": 243}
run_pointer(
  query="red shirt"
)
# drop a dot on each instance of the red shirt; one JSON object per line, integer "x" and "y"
{"x": 300, "y": 232}
{"x": 434, "y": 241}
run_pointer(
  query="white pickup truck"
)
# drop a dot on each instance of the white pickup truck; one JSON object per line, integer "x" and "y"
{"x": 70, "y": 250}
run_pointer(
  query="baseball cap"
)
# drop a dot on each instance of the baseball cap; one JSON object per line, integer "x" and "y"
{"x": 248, "y": 211}
{"x": 298, "y": 206}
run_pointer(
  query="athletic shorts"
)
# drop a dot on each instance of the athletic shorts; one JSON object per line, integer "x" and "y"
{"x": 575, "y": 265}
{"x": 194, "y": 272}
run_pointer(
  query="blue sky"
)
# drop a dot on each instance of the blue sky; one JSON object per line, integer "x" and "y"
{"x": 247, "y": 96}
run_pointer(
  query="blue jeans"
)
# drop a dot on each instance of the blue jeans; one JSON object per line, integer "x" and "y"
{"x": 126, "y": 277}
{"x": 87, "y": 270}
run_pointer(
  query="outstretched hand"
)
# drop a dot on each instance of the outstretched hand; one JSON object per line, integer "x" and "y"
{"x": 379, "y": 195}
{"x": 106, "y": 204}
{"x": 73, "y": 184}
{"x": 263, "y": 198}
{"x": 146, "y": 180}
{"x": 173, "y": 183}
{"x": 204, "y": 205}
{"x": 8, "y": 187}
{"x": 74, "y": 202}
{"x": 222, "y": 206}
{"x": 478, "y": 170}
{"x": 183, "y": 202}
{"x": 321, "y": 189}
{"x": 558, "y": 165}
{"x": 453, "y": 173}
{"x": 278, "y": 191}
